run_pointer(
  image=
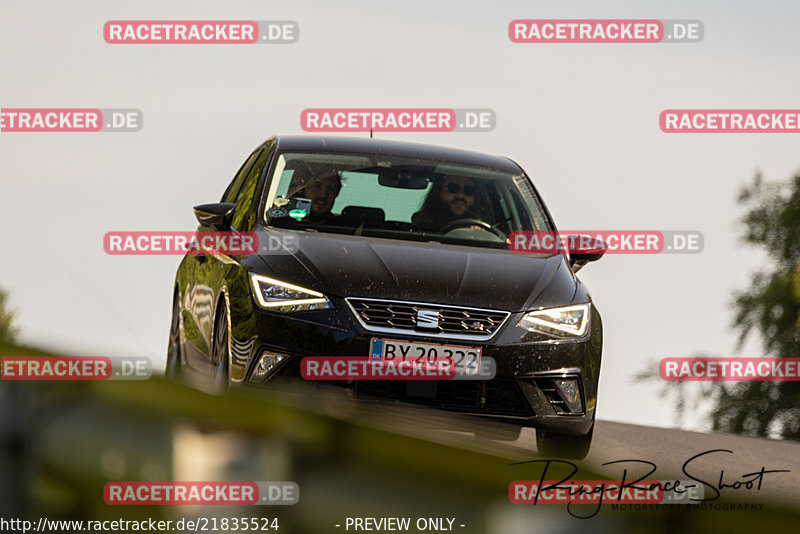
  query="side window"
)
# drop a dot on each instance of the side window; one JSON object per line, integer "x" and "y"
{"x": 236, "y": 184}
{"x": 243, "y": 219}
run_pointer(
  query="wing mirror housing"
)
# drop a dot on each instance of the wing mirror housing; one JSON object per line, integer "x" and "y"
{"x": 580, "y": 257}
{"x": 216, "y": 216}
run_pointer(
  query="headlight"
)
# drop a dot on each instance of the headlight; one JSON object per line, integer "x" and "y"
{"x": 569, "y": 320}
{"x": 280, "y": 296}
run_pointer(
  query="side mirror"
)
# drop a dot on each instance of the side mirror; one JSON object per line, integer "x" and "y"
{"x": 578, "y": 257}
{"x": 215, "y": 216}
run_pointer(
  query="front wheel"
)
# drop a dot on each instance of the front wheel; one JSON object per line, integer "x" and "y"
{"x": 221, "y": 352}
{"x": 563, "y": 445}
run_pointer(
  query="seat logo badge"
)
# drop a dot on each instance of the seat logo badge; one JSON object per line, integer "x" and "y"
{"x": 476, "y": 326}
{"x": 427, "y": 319}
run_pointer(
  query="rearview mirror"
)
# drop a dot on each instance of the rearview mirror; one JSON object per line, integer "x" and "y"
{"x": 402, "y": 181}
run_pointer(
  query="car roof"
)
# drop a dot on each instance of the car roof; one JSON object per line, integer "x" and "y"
{"x": 366, "y": 145}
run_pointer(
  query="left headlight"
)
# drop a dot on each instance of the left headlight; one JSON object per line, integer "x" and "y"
{"x": 281, "y": 296}
{"x": 564, "y": 322}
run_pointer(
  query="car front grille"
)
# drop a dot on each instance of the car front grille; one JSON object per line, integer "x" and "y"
{"x": 450, "y": 321}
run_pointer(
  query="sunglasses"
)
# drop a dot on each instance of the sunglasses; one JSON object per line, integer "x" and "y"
{"x": 454, "y": 188}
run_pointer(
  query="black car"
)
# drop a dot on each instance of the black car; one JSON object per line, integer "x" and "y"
{"x": 365, "y": 243}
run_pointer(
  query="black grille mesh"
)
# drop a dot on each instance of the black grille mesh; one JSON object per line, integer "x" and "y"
{"x": 403, "y": 316}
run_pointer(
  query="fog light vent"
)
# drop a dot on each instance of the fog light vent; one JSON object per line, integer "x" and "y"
{"x": 570, "y": 393}
{"x": 563, "y": 393}
{"x": 268, "y": 363}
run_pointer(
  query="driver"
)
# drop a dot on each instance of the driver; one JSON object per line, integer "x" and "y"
{"x": 451, "y": 198}
{"x": 319, "y": 185}
{"x": 322, "y": 192}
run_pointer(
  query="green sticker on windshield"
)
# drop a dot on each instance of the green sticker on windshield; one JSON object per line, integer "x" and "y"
{"x": 298, "y": 214}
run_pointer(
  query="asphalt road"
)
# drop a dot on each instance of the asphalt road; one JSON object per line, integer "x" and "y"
{"x": 670, "y": 449}
{"x": 737, "y": 460}
{"x": 712, "y": 460}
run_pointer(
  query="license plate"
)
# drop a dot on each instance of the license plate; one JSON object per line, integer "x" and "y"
{"x": 467, "y": 360}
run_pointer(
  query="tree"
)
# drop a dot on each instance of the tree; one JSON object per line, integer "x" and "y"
{"x": 7, "y": 330}
{"x": 769, "y": 307}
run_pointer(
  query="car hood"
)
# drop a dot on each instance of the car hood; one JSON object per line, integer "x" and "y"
{"x": 357, "y": 266}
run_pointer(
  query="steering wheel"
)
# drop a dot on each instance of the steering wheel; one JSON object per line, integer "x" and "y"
{"x": 463, "y": 223}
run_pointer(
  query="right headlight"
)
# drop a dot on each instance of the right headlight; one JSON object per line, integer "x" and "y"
{"x": 564, "y": 322}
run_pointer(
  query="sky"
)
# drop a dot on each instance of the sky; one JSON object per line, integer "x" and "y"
{"x": 581, "y": 119}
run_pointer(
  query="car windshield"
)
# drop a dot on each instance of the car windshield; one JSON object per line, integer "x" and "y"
{"x": 400, "y": 198}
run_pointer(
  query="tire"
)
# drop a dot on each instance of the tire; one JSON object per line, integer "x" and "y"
{"x": 174, "y": 358}
{"x": 563, "y": 445}
{"x": 220, "y": 355}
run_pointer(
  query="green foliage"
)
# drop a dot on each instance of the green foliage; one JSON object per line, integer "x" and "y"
{"x": 770, "y": 307}
{"x": 7, "y": 330}
{"x": 772, "y": 303}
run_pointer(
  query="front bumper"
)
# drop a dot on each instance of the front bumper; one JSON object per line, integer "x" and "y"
{"x": 523, "y": 391}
